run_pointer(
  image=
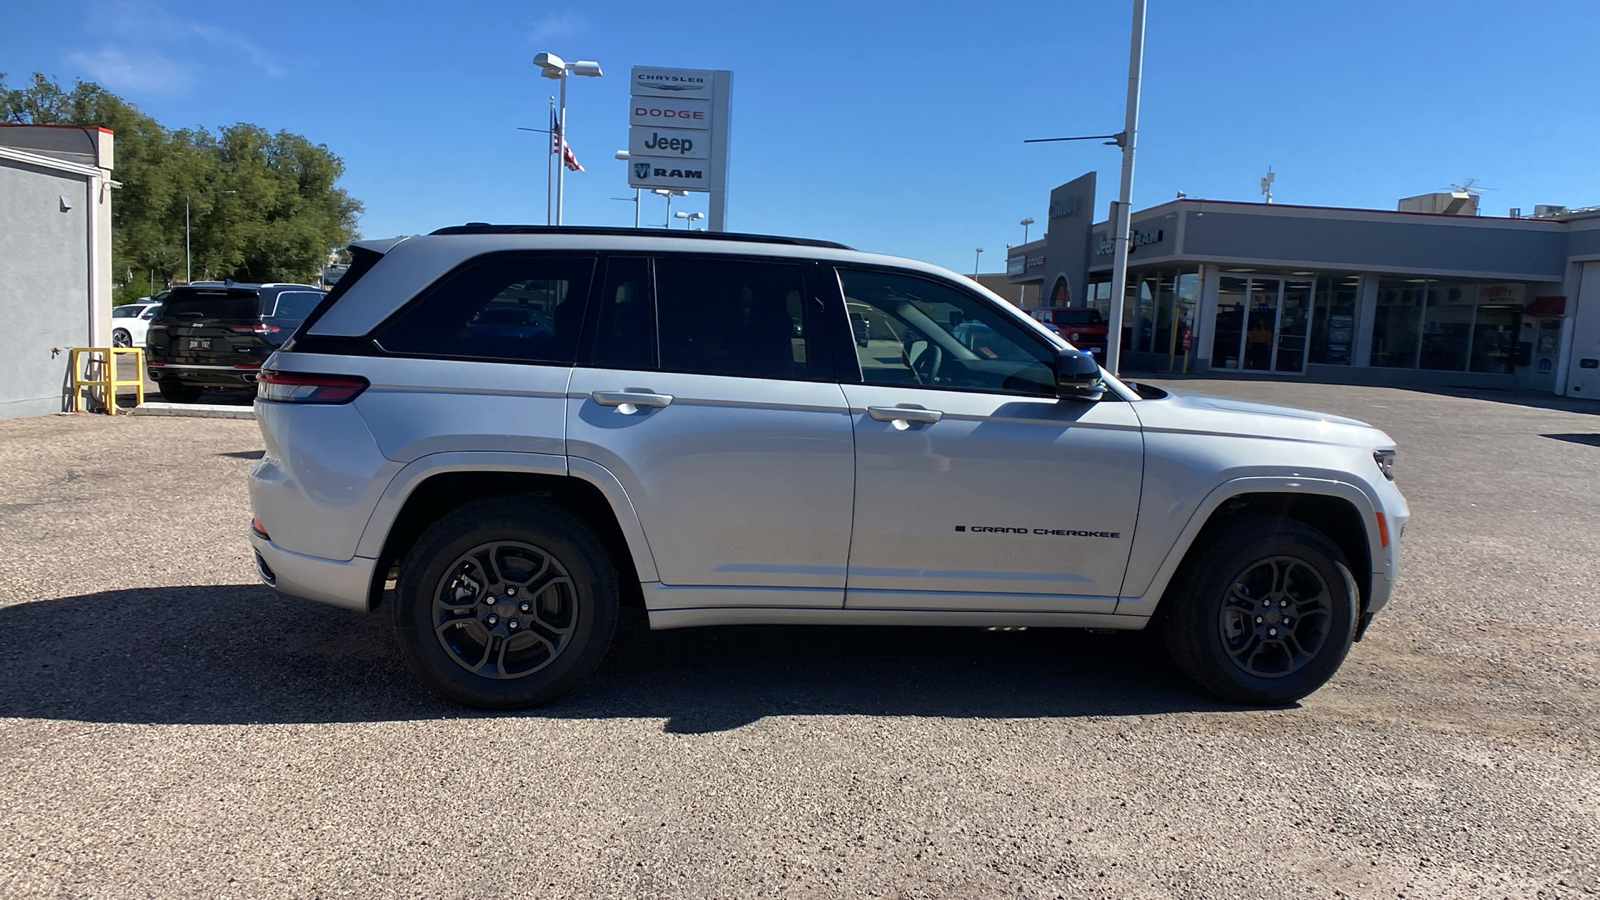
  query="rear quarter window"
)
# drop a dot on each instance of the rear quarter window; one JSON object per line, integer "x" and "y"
{"x": 512, "y": 308}
{"x": 295, "y": 305}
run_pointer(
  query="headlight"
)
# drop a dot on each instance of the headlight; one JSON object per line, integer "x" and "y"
{"x": 1074, "y": 336}
{"x": 1385, "y": 461}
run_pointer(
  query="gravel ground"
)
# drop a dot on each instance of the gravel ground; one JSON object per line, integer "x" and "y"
{"x": 170, "y": 728}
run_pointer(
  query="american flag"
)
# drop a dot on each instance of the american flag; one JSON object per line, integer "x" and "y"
{"x": 557, "y": 145}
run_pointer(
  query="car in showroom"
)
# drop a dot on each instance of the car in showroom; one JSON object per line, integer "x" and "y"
{"x": 217, "y": 334}
{"x": 693, "y": 424}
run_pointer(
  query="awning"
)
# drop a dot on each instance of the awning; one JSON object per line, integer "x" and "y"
{"x": 1546, "y": 306}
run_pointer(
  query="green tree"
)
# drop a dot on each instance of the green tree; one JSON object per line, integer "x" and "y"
{"x": 284, "y": 213}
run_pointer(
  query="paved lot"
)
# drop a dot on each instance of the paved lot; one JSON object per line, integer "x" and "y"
{"x": 169, "y": 728}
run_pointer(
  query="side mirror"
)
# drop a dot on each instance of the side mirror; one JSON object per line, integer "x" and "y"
{"x": 1078, "y": 376}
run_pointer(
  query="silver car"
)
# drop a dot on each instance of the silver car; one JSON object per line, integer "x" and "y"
{"x": 517, "y": 429}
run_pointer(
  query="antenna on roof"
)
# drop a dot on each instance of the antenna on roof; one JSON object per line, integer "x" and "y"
{"x": 1266, "y": 185}
{"x": 1471, "y": 186}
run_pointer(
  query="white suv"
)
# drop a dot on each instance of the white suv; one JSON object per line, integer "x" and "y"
{"x": 522, "y": 427}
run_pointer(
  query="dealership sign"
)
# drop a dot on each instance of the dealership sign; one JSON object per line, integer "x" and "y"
{"x": 678, "y": 132}
{"x": 670, "y": 143}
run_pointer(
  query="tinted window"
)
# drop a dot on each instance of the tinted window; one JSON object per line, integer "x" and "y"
{"x": 296, "y": 305}
{"x": 126, "y": 312}
{"x": 731, "y": 317}
{"x": 219, "y": 303}
{"x": 622, "y": 317}
{"x": 522, "y": 308}
{"x": 923, "y": 332}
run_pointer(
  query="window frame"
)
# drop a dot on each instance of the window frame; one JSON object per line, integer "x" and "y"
{"x": 374, "y": 338}
{"x": 817, "y": 325}
{"x": 844, "y": 344}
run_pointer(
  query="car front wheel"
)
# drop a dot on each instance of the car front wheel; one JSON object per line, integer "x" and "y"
{"x": 506, "y": 603}
{"x": 1263, "y": 612}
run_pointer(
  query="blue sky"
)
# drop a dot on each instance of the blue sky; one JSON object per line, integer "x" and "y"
{"x": 890, "y": 126}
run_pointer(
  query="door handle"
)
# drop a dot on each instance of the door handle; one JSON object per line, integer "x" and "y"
{"x": 631, "y": 400}
{"x": 904, "y": 414}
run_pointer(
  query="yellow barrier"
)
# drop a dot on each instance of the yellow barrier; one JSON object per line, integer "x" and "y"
{"x": 99, "y": 370}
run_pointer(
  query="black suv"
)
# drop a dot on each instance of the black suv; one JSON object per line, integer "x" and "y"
{"x": 217, "y": 335}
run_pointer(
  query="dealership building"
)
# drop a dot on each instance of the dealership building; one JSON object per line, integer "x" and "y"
{"x": 1399, "y": 297}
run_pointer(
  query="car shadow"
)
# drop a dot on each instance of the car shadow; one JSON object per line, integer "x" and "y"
{"x": 239, "y": 654}
{"x": 1592, "y": 440}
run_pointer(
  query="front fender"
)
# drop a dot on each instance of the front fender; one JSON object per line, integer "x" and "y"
{"x": 1144, "y": 603}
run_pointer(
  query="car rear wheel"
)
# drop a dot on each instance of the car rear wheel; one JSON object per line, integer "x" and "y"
{"x": 178, "y": 392}
{"x": 505, "y": 604}
{"x": 121, "y": 338}
{"x": 1263, "y": 612}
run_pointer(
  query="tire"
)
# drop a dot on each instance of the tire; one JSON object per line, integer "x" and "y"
{"x": 178, "y": 392}
{"x": 477, "y": 656}
{"x": 1307, "y": 614}
{"x": 121, "y": 338}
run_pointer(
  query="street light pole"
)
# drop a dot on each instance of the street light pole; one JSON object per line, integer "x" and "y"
{"x": 623, "y": 155}
{"x": 1025, "y": 223}
{"x": 1122, "y": 220}
{"x": 188, "y": 261}
{"x": 555, "y": 67}
{"x": 975, "y": 261}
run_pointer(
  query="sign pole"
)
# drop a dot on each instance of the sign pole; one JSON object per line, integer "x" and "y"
{"x": 1123, "y": 217}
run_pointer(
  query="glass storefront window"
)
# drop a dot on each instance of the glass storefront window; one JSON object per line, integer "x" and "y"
{"x": 1230, "y": 322}
{"x": 1333, "y": 324}
{"x": 1188, "y": 293}
{"x": 1138, "y": 317}
{"x": 1098, "y": 295}
{"x": 1446, "y": 325}
{"x": 1165, "y": 307}
{"x": 1494, "y": 334}
{"x": 1394, "y": 326}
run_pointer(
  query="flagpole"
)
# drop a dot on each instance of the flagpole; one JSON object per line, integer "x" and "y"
{"x": 549, "y": 194}
{"x": 561, "y": 161}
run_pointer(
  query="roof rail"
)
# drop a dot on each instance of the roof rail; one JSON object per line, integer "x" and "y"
{"x": 486, "y": 228}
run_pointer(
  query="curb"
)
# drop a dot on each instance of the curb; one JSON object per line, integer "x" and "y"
{"x": 194, "y": 410}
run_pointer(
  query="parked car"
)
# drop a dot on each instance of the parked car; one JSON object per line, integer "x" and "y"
{"x": 217, "y": 334}
{"x": 130, "y": 321}
{"x": 670, "y": 441}
{"x": 1084, "y": 327}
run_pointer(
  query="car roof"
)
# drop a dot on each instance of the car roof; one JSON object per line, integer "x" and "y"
{"x": 411, "y": 264}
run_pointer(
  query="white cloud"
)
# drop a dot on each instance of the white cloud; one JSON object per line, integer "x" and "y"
{"x": 146, "y": 73}
{"x": 559, "y": 24}
{"x": 145, "y": 23}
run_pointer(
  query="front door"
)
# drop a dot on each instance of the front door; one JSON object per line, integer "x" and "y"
{"x": 975, "y": 487}
{"x": 707, "y": 395}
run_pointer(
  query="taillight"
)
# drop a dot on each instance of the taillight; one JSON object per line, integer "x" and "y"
{"x": 301, "y": 387}
{"x": 254, "y": 329}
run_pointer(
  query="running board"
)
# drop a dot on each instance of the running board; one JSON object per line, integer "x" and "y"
{"x": 663, "y": 619}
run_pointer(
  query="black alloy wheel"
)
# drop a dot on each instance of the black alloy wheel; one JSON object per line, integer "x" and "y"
{"x": 1262, "y": 612}
{"x": 506, "y": 603}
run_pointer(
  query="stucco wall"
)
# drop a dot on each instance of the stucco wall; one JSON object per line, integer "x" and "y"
{"x": 44, "y": 284}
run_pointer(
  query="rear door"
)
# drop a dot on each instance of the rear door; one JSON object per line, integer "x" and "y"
{"x": 708, "y": 391}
